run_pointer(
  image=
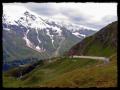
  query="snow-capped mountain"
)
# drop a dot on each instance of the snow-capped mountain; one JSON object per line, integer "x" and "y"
{"x": 44, "y": 36}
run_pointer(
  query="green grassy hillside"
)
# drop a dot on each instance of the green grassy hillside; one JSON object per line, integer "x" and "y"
{"x": 71, "y": 72}
{"x": 65, "y": 72}
{"x": 102, "y": 43}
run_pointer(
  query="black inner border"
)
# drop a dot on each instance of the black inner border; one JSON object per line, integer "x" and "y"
{"x": 47, "y": 1}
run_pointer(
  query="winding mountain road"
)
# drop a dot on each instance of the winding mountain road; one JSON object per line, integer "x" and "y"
{"x": 105, "y": 59}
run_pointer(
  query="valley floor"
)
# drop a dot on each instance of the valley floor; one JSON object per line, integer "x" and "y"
{"x": 68, "y": 72}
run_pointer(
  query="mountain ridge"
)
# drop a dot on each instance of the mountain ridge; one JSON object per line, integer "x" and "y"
{"x": 105, "y": 39}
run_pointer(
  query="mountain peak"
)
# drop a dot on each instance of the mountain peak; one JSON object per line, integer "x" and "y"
{"x": 20, "y": 15}
{"x": 40, "y": 34}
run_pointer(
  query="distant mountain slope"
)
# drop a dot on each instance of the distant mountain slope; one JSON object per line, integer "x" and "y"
{"x": 27, "y": 35}
{"x": 102, "y": 43}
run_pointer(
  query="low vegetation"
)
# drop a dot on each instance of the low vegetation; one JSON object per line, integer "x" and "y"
{"x": 65, "y": 72}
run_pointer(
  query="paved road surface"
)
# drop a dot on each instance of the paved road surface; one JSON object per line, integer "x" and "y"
{"x": 105, "y": 59}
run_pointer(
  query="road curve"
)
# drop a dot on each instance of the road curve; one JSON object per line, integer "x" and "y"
{"x": 105, "y": 59}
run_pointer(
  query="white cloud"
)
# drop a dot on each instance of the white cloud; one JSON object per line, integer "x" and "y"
{"x": 95, "y": 15}
{"x": 60, "y": 17}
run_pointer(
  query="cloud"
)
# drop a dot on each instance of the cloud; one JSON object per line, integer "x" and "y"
{"x": 42, "y": 8}
{"x": 95, "y": 15}
{"x": 60, "y": 16}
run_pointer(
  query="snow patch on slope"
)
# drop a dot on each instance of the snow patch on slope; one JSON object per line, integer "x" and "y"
{"x": 78, "y": 34}
{"x": 57, "y": 30}
{"x": 7, "y": 29}
{"x": 38, "y": 36}
{"x": 38, "y": 48}
{"x": 30, "y": 44}
{"x": 51, "y": 37}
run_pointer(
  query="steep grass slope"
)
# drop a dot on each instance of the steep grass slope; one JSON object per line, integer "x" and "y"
{"x": 102, "y": 43}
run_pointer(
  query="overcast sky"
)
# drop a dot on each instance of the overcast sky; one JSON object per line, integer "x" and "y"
{"x": 95, "y": 15}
